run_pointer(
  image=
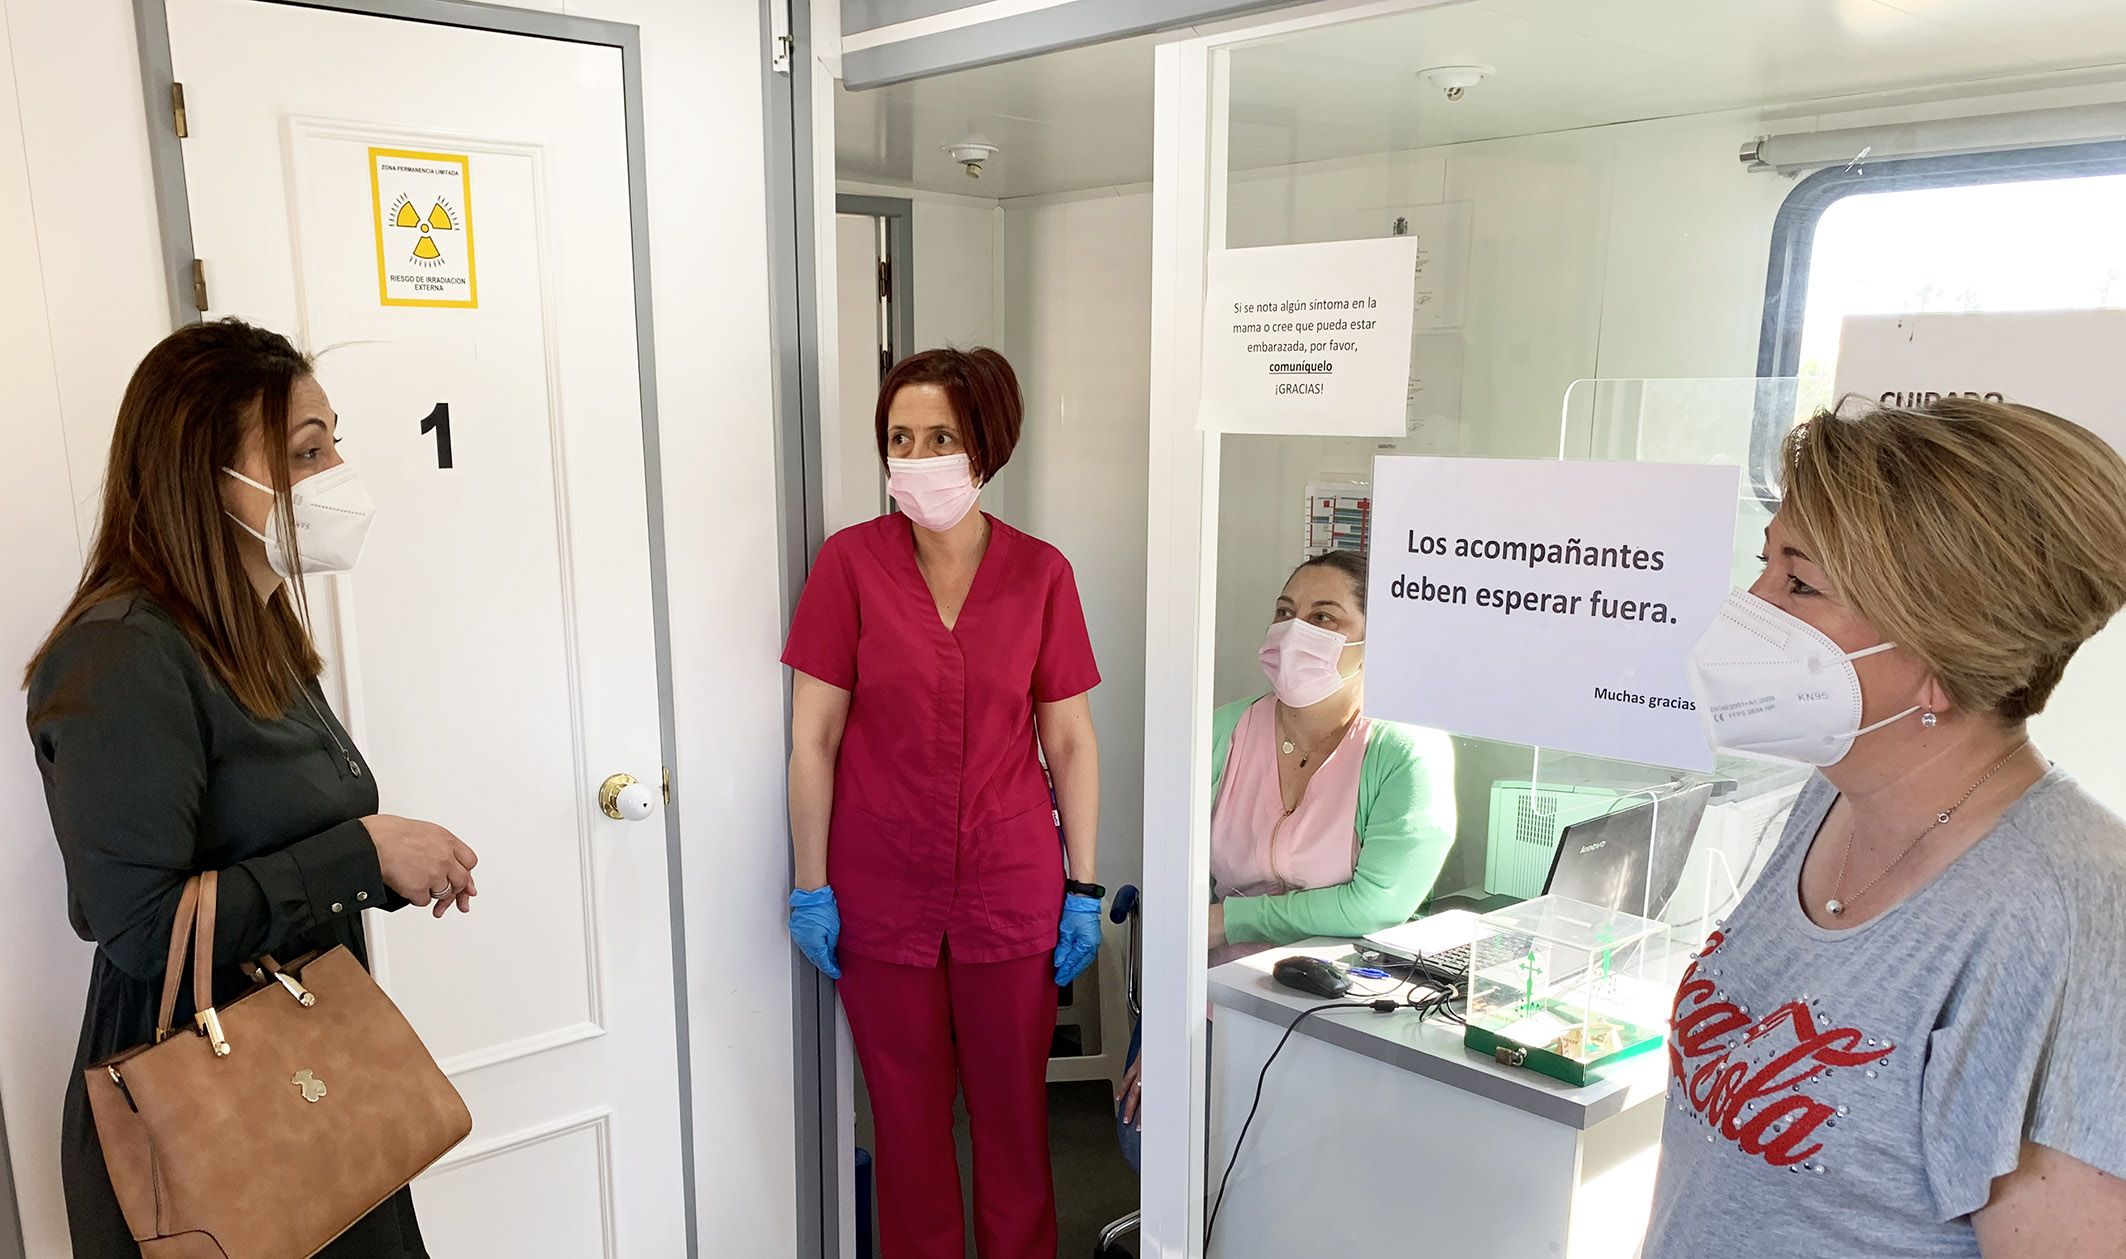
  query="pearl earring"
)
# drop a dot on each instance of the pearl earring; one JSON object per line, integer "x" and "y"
{"x": 1929, "y": 720}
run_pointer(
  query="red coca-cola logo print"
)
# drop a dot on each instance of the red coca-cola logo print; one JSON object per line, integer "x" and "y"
{"x": 1757, "y": 1103}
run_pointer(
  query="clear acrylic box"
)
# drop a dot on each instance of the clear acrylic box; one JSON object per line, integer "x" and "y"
{"x": 1567, "y": 988}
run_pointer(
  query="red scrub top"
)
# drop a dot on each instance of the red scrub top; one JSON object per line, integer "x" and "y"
{"x": 942, "y": 822}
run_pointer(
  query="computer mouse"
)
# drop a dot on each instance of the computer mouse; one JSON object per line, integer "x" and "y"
{"x": 1311, "y": 974}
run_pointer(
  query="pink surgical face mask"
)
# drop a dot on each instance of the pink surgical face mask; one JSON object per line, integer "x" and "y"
{"x": 936, "y": 493}
{"x": 1304, "y": 662}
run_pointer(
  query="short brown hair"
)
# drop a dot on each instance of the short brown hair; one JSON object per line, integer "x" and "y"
{"x": 163, "y": 532}
{"x": 1986, "y": 538}
{"x": 983, "y": 391}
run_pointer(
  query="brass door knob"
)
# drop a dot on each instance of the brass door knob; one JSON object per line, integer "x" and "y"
{"x": 625, "y": 800}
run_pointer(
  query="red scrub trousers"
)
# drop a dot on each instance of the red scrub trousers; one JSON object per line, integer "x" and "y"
{"x": 925, "y": 1032}
{"x": 944, "y": 857}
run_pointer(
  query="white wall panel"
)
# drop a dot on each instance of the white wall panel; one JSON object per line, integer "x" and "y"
{"x": 1077, "y": 276}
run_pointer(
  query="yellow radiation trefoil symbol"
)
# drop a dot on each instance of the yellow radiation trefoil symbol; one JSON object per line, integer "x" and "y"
{"x": 438, "y": 219}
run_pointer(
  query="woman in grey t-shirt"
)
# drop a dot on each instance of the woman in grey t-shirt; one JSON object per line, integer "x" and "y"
{"x": 1910, "y": 1037}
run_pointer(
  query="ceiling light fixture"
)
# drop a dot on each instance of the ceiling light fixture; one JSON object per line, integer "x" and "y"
{"x": 1455, "y": 81}
{"x": 971, "y": 155}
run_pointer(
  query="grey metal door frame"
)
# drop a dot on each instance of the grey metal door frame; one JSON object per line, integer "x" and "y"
{"x": 794, "y": 337}
{"x": 899, "y": 216}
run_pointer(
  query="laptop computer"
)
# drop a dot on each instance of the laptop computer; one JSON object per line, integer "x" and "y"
{"x": 1630, "y": 859}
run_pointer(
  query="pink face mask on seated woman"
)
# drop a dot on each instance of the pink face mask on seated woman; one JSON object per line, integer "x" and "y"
{"x": 1259, "y": 846}
{"x": 1304, "y": 662}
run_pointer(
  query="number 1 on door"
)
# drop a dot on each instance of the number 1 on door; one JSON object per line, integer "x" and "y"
{"x": 438, "y": 422}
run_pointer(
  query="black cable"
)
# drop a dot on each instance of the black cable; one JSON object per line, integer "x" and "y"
{"x": 1437, "y": 1000}
{"x": 1441, "y": 1001}
{"x": 1383, "y": 1006}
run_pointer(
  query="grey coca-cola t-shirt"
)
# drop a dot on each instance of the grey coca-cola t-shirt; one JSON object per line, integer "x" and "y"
{"x": 1856, "y": 1092}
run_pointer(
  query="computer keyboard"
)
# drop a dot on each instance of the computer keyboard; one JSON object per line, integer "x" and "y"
{"x": 1452, "y": 966}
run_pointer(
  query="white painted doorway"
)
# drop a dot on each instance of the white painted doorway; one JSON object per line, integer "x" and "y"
{"x": 444, "y": 215}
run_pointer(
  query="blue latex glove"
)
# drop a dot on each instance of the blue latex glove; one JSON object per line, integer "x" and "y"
{"x": 1078, "y": 938}
{"x": 816, "y": 925}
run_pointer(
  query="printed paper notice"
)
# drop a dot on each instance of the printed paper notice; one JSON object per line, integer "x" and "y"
{"x": 423, "y": 207}
{"x": 1309, "y": 339}
{"x": 2063, "y": 361}
{"x": 1550, "y": 603}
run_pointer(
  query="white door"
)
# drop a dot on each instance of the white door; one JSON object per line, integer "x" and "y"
{"x": 443, "y": 216}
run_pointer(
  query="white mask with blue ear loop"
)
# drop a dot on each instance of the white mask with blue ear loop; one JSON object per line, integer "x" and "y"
{"x": 1771, "y": 685}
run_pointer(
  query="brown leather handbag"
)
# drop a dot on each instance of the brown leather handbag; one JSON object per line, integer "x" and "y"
{"x": 293, "y": 1111}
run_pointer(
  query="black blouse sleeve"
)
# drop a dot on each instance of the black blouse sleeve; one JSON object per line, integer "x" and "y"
{"x": 123, "y": 746}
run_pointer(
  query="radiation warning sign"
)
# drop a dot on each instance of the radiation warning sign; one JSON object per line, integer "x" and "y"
{"x": 423, "y": 205}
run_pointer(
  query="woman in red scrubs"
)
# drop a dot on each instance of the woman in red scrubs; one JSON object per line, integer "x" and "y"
{"x": 939, "y": 653}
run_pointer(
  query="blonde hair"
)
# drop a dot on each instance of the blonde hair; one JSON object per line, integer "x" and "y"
{"x": 1987, "y": 539}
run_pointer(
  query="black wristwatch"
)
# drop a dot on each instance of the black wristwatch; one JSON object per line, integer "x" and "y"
{"x": 1072, "y": 887}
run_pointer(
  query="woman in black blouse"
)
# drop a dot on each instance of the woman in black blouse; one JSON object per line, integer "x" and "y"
{"x": 179, "y": 725}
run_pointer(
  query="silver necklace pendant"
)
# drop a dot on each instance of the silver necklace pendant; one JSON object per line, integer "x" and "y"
{"x": 1836, "y": 907}
{"x": 1285, "y": 747}
{"x": 354, "y": 767}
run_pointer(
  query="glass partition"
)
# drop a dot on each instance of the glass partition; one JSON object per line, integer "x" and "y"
{"x": 1592, "y": 284}
{"x": 1717, "y": 420}
{"x": 1588, "y": 288}
{"x": 1285, "y": 498}
{"x": 1723, "y": 420}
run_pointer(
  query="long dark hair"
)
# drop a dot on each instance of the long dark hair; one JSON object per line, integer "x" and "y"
{"x": 163, "y": 533}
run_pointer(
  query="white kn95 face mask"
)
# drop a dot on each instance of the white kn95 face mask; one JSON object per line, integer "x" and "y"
{"x": 1771, "y": 685}
{"x": 332, "y": 515}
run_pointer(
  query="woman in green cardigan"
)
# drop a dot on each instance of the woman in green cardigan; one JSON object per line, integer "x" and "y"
{"x": 1324, "y": 822}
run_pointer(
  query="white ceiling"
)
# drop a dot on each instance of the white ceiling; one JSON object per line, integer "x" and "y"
{"x": 1082, "y": 118}
{"x": 1075, "y": 119}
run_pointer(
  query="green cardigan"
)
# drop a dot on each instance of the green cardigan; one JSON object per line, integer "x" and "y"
{"x": 1405, "y": 827}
